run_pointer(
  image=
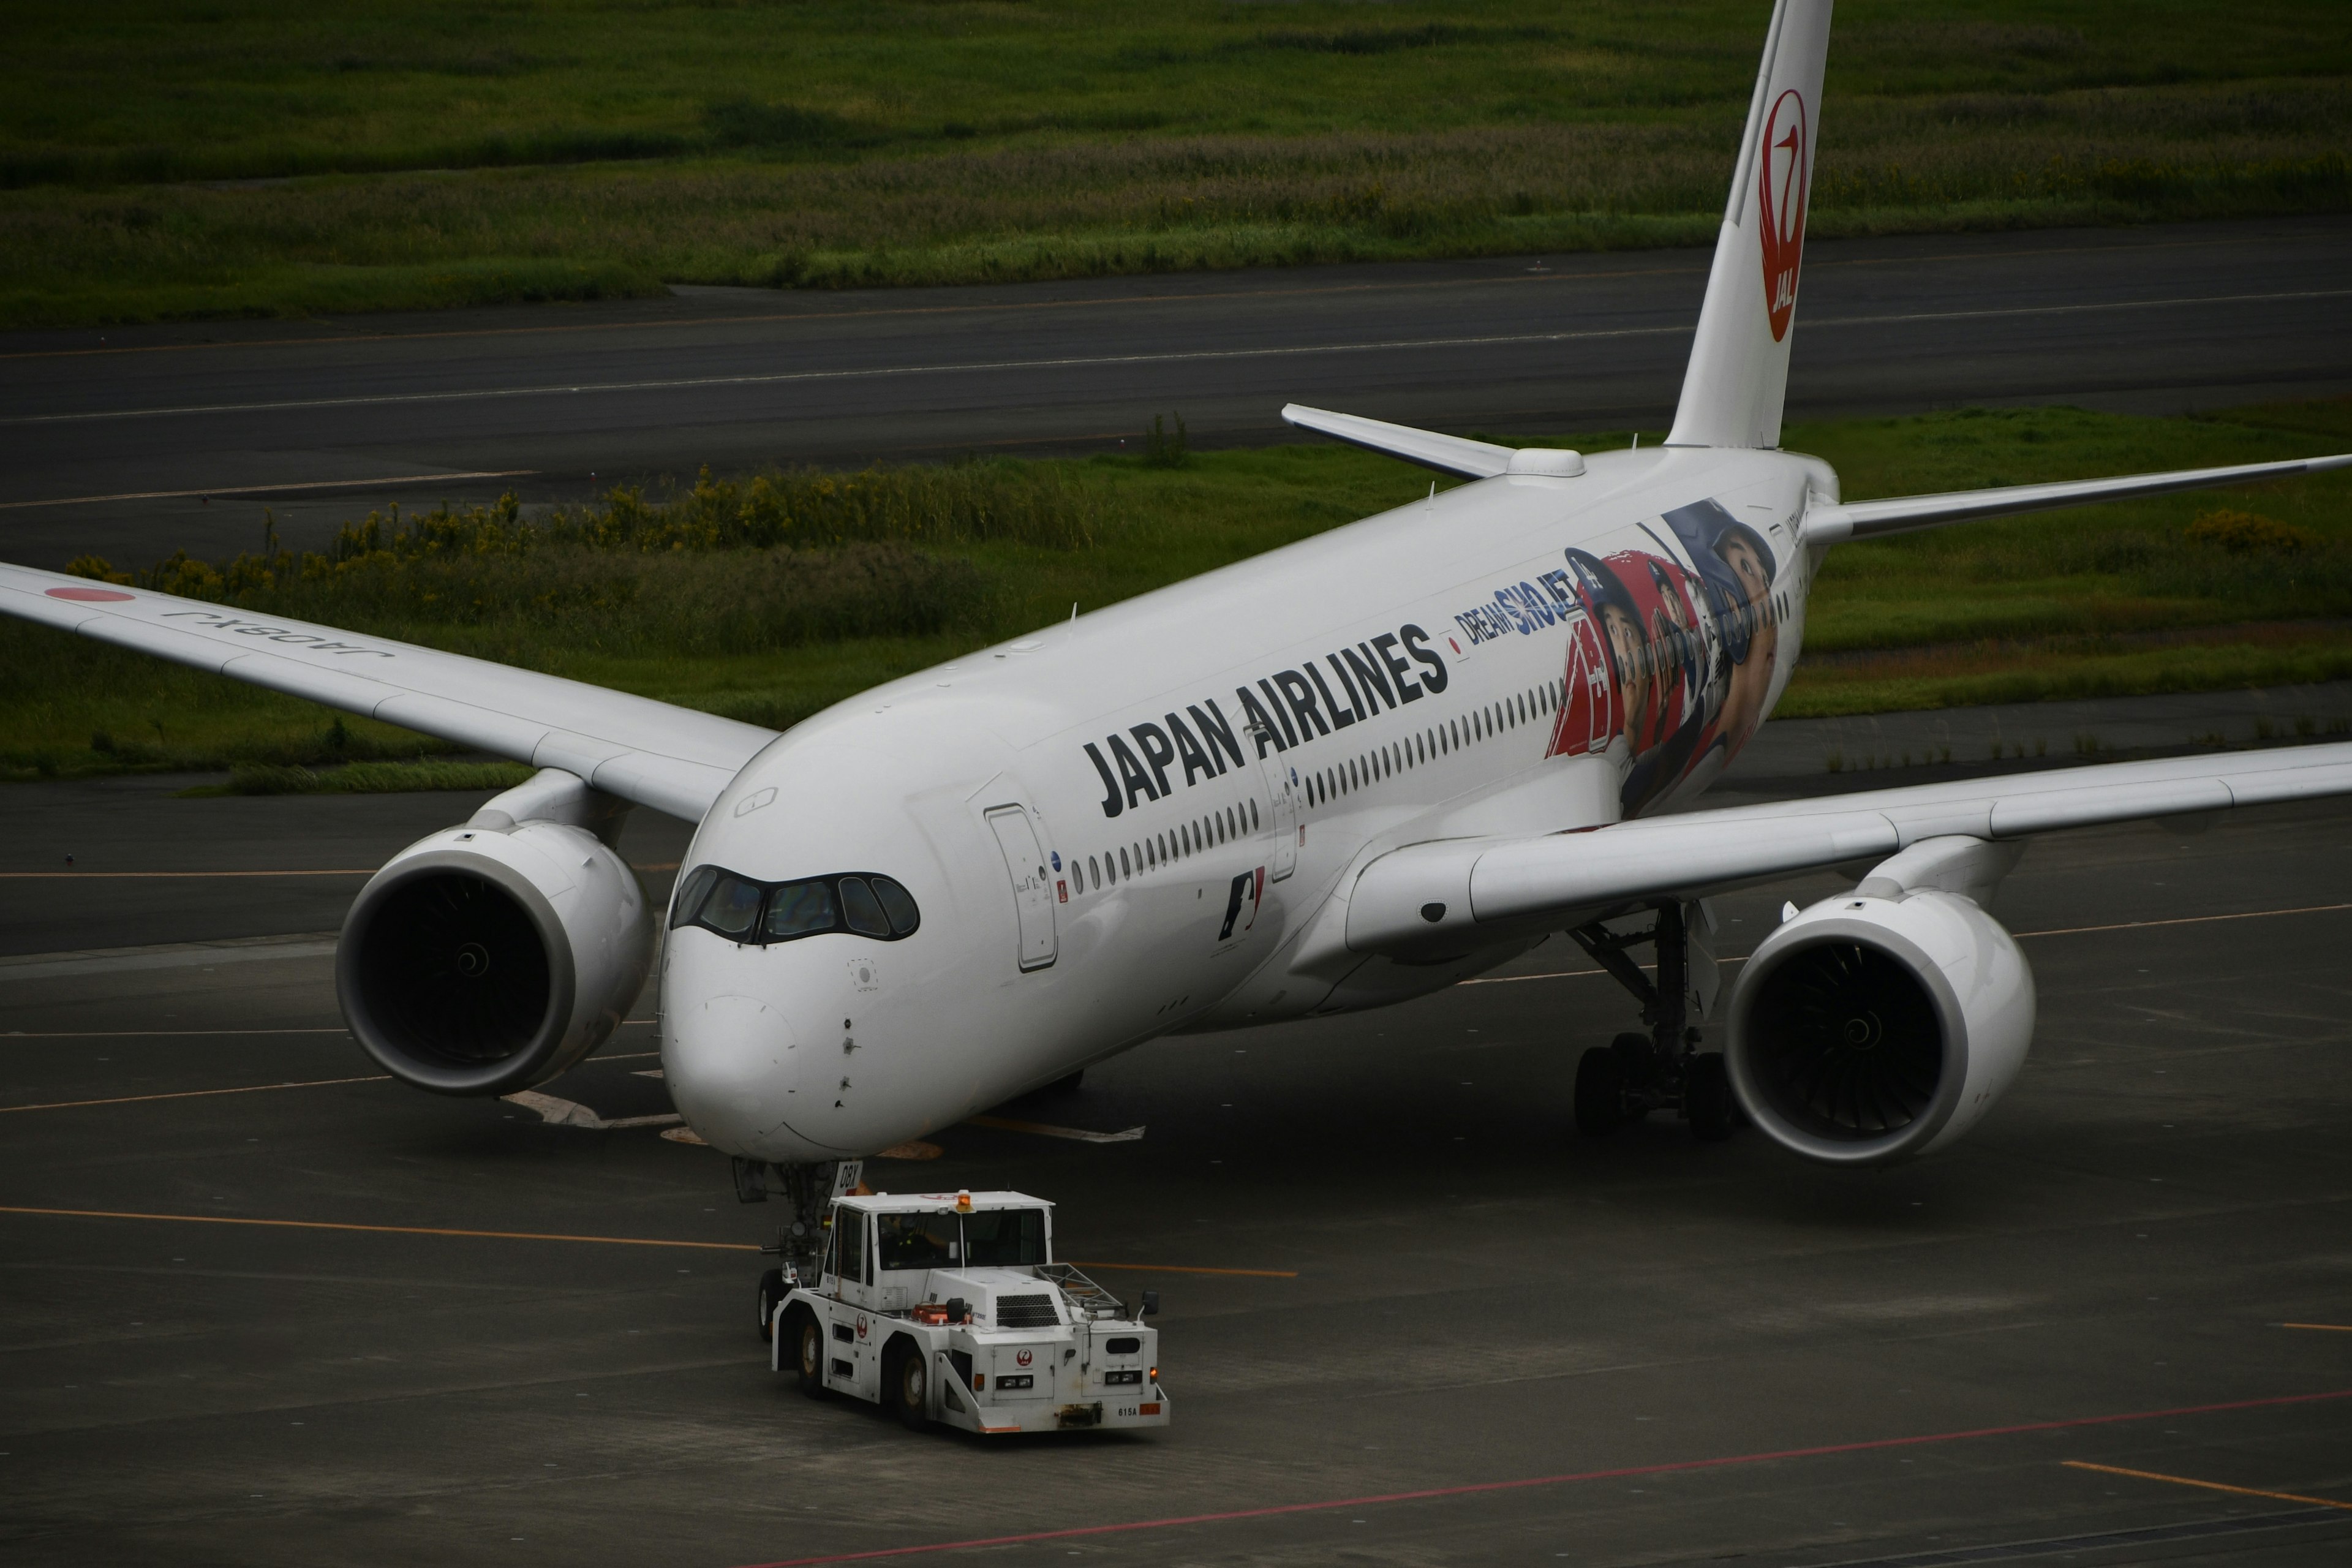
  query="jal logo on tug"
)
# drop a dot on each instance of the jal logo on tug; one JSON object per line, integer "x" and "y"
{"x": 1780, "y": 187}
{"x": 1022, "y": 1358}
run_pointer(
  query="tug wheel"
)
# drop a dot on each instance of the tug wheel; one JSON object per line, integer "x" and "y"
{"x": 772, "y": 1296}
{"x": 1599, "y": 1092}
{"x": 808, "y": 1336}
{"x": 908, "y": 1379}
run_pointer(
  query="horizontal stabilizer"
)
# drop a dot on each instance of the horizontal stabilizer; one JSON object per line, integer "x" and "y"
{"x": 1828, "y": 524}
{"x": 1446, "y": 454}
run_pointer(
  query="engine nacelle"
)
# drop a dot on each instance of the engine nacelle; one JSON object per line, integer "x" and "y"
{"x": 486, "y": 958}
{"x": 1880, "y": 1025}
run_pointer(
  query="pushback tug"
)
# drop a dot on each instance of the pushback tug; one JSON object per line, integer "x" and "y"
{"x": 949, "y": 1307}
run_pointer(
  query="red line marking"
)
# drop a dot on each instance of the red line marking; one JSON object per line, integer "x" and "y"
{"x": 1476, "y": 1487}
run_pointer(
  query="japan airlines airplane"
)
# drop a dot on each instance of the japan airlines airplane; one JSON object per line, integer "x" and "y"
{"x": 1350, "y": 772}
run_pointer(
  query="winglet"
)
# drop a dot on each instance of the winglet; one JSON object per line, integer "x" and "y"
{"x": 1446, "y": 454}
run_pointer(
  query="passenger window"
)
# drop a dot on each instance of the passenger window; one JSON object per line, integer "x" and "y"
{"x": 801, "y": 909}
{"x": 861, "y": 907}
{"x": 1124, "y": 869}
{"x": 1092, "y": 873}
{"x": 897, "y": 903}
{"x": 732, "y": 908}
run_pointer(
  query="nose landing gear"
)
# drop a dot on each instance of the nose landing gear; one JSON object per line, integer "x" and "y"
{"x": 808, "y": 1190}
{"x": 1635, "y": 1074}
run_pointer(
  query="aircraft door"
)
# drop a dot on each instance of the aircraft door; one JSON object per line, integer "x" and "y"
{"x": 1033, "y": 890}
{"x": 1282, "y": 809}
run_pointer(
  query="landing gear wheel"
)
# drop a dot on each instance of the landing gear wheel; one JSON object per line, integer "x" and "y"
{"x": 808, "y": 1336}
{"x": 1637, "y": 1071}
{"x": 1707, "y": 1100}
{"x": 1599, "y": 1092}
{"x": 909, "y": 1385}
{"x": 772, "y": 1296}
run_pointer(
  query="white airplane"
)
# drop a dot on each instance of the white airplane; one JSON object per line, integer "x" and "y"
{"x": 1350, "y": 772}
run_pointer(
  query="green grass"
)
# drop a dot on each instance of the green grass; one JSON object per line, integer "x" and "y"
{"x": 258, "y": 157}
{"x": 367, "y": 778}
{"x": 767, "y": 599}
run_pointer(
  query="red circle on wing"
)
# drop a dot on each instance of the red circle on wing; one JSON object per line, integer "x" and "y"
{"x": 90, "y": 596}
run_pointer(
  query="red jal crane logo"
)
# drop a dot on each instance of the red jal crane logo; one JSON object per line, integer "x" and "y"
{"x": 1780, "y": 192}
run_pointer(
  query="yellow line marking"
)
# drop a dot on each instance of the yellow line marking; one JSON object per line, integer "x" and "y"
{"x": 387, "y": 1229}
{"x": 2191, "y": 920}
{"x": 151, "y": 1034}
{"x": 315, "y": 1083}
{"x": 184, "y": 876}
{"x": 190, "y": 1034}
{"x": 2330, "y": 1327}
{"x": 1182, "y": 1268}
{"x": 271, "y": 490}
{"x": 169, "y": 875}
{"x": 195, "y": 1093}
{"x": 2208, "y": 1486}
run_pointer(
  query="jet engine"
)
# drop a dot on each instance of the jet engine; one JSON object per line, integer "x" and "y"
{"x": 485, "y": 958}
{"x": 1882, "y": 1023}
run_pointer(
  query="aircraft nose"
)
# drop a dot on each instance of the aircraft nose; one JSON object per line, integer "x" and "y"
{"x": 728, "y": 1063}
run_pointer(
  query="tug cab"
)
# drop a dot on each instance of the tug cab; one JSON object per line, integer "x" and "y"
{"x": 948, "y": 1307}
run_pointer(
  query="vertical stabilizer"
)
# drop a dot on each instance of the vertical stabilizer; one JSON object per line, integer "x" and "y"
{"x": 1738, "y": 373}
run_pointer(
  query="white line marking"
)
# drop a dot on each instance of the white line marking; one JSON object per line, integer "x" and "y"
{"x": 270, "y": 489}
{"x": 196, "y": 1093}
{"x": 1076, "y": 362}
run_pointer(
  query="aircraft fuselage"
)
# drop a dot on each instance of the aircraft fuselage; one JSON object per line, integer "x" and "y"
{"x": 1139, "y": 822}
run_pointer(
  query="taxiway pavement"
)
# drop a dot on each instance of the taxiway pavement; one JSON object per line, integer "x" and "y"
{"x": 183, "y": 433}
{"x": 1466, "y": 1336}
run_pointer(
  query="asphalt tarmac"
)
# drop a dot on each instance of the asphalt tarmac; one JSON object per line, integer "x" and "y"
{"x": 134, "y": 442}
{"x": 1410, "y": 1316}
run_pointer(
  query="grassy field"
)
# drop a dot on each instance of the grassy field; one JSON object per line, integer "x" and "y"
{"x": 262, "y": 157}
{"x": 767, "y": 599}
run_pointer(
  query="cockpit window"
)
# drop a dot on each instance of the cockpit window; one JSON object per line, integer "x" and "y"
{"x": 897, "y": 902}
{"x": 863, "y": 910}
{"x": 800, "y": 909}
{"x": 732, "y": 906}
{"x": 746, "y": 911}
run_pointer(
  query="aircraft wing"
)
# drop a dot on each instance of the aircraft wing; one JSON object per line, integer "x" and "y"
{"x": 652, "y": 753}
{"x": 1828, "y": 523}
{"x": 1448, "y": 888}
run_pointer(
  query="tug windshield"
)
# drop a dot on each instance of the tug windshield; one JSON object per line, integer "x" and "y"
{"x": 918, "y": 1240}
{"x": 1005, "y": 1237}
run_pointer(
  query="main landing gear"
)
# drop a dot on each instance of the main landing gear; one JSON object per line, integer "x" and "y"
{"x": 1633, "y": 1074}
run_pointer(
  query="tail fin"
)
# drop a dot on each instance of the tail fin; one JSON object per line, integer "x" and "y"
{"x": 1738, "y": 373}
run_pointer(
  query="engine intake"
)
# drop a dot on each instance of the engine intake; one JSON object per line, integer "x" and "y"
{"x": 486, "y": 958}
{"x": 1882, "y": 1025}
